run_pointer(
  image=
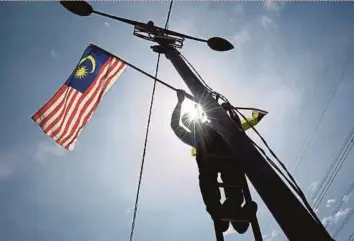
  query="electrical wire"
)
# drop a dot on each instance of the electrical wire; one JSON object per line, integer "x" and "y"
{"x": 146, "y": 136}
{"x": 318, "y": 124}
{"x": 316, "y": 196}
{"x": 332, "y": 176}
{"x": 343, "y": 201}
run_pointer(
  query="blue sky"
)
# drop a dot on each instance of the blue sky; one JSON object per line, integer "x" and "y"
{"x": 287, "y": 59}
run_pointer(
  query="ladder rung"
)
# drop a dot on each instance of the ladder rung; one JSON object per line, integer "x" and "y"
{"x": 220, "y": 184}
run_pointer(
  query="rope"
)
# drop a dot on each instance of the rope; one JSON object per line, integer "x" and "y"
{"x": 147, "y": 134}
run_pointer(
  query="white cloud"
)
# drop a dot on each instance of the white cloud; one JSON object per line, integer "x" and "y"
{"x": 106, "y": 24}
{"x": 329, "y": 202}
{"x": 53, "y": 53}
{"x": 46, "y": 148}
{"x": 242, "y": 37}
{"x": 313, "y": 186}
{"x": 342, "y": 213}
{"x": 266, "y": 21}
{"x": 273, "y": 6}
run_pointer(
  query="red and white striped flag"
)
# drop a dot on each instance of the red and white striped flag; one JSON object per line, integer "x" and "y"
{"x": 64, "y": 116}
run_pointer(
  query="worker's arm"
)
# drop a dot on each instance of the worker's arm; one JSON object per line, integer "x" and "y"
{"x": 183, "y": 134}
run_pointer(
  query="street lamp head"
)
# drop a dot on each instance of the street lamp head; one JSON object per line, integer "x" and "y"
{"x": 219, "y": 44}
{"x": 81, "y": 8}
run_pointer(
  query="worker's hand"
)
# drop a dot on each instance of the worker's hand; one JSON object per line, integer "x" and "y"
{"x": 226, "y": 105}
{"x": 181, "y": 95}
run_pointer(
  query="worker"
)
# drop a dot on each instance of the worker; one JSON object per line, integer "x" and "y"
{"x": 213, "y": 156}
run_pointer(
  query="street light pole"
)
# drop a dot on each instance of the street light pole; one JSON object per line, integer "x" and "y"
{"x": 296, "y": 222}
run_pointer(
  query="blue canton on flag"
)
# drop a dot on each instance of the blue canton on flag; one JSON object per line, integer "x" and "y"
{"x": 89, "y": 66}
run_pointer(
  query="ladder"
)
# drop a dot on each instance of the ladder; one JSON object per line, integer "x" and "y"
{"x": 254, "y": 220}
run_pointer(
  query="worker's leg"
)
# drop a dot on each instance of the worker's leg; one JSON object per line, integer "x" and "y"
{"x": 210, "y": 190}
{"x": 211, "y": 195}
{"x": 232, "y": 180}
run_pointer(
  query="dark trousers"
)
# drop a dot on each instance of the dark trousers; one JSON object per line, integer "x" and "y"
{"x": 230, "y": 175}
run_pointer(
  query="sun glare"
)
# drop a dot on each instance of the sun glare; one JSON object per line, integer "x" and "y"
{"x": 195, "y": 111}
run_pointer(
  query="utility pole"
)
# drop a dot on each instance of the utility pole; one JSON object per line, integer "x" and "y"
{"x": 289, "y": 212}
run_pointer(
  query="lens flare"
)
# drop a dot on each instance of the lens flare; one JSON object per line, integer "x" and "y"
{"x": 194, "y": 111}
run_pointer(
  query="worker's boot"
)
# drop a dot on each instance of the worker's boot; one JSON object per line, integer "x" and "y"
{"x": 249, "y": 210}
{"x": 221, "y": 225}
{"x": 216, "y": 212}
{"x": 239, "y": 217}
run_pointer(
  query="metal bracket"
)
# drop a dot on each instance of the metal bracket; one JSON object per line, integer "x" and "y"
{"x": 158, "y": 37}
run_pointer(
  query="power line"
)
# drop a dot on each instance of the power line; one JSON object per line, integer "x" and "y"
{"x": 323, "y": 181}
{"x": 147, "y": 134}
{"x": 331, "y": 176}
{"x": 339, "y": 166}
{"x": 351, "y": 237}
{"x": 335, "y": 211}
{"x": 324, "y": 191}
{"x": 309, "y": 141}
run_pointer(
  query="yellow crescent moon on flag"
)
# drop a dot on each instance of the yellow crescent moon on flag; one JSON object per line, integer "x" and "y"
{"x": 93, "y": 62}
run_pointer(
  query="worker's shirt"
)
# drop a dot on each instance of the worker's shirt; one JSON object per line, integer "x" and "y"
{"x": 203, "y": 138}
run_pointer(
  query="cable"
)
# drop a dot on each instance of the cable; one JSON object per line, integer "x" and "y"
{"x": 345, "y": 221}
{"x": 292, "y": 181}
{"x": 335, "y": 211}
{"x": 334, "y": 174}
{"x": 307, "y": 145}
{"x": 338, "y": 165}
{"x": 351, "y": 237}
{"x": 323, "y": 181}
{"x": 146, "y": 135}
{"x": 309, "y": 142}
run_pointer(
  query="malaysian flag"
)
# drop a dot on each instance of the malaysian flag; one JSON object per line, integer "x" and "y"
{"x": 64, "y": 116}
